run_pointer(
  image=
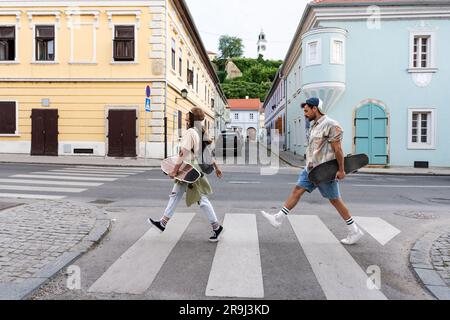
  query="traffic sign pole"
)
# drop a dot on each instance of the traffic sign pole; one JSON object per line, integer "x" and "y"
{"x": 147, "y": 103}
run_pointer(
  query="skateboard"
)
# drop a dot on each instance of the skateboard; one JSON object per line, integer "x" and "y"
{"x": 326, "y": 172}
{"x": 187, "y": 173}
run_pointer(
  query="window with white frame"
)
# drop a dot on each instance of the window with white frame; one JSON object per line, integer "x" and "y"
{"x": 124, "y": 43}
{"x": 421, "y": 52}
{"x": 45, "y": 43}
{"x": 173, "y": 54}
{"x": 421, "y": 129}
{"x": 313, "y": 55}
{"x": 180, "y": 62}
{"x": 337, "y": 51}
{"x": 7, "y": 43}
{"x": 252, "y": 116}
{"x": 236, "y": 116}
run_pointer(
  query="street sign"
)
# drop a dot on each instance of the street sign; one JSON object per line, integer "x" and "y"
{"x": 148, "y": 91}
{"x": 147, "y": 104}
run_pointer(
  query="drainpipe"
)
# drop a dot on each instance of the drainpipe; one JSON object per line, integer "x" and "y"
{"x": 286, "y": 128}
{"x": 165, "y": 79}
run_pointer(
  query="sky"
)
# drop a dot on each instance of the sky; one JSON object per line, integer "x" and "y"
{"x": 245, "y": 19}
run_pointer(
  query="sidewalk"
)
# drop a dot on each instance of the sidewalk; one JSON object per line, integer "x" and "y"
{"x": 39, "y": 239}
{"x": 298, "y": 161}
{"x": 80, "y": 160}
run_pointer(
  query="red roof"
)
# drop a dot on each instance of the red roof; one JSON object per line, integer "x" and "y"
{"x": 244, "y": 104}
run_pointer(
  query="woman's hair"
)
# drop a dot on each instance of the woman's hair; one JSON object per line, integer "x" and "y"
{"x": 196, "y": 114}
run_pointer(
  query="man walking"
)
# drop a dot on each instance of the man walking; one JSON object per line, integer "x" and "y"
{"x": 325, "y": 144}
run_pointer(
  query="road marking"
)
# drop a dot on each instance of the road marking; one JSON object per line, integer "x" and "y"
{"x": 379, "y": 229}
{"x": 397, "y": 186}
{"x": 124, "y": 173}
{"x": 42, "y": 189}
{"x": 63, "y": 178}
{"x": 30, "y": 196}
{"x": 159, "y": 180}
{"x": 244, "y": 182}
{"x": 56, "y": 183}
{"x": 136, "y": 269}
{"x": 340, "y": 277}
{"x": 116, "y": 169}
{"x": 79, "y": 174}
{"x": 236, "y": 269}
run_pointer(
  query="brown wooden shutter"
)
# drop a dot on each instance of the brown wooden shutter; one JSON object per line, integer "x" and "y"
{"x": 7, "y": 117}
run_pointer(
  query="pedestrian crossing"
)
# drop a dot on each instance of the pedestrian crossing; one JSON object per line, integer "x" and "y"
{"x": 55, "y": 184}
{"x": 237, "y": 270}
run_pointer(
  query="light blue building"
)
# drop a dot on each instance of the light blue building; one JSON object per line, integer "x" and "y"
{"x": 382, "y": 69}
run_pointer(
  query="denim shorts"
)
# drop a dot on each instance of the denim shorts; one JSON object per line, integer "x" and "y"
{"x": 328, "y": 190}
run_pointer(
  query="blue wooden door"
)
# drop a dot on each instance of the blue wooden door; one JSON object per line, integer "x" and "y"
{"x": 371, "y": 133}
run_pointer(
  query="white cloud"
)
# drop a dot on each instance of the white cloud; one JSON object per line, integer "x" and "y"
{"x": 245, "y": 19}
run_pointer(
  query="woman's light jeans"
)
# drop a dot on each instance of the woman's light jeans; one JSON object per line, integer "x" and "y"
{"x": 177, "y": 194}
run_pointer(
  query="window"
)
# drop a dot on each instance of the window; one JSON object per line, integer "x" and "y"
{"x": 180, "y": 62}
{"x": 252, "y": 116}
{"x": 124, "y": 43}
{"x": 212, "y": 103}
{"x": 337, "y": 52}
{"x": 421, "y": 128}
{"x": 421, "y": 52}
{"x": 45, "y": 43}
{"x": 196, "y": 86}
{"x": 8, "y": 118}
{"x": 236, "y": 116}
{"x": 180, "y": 124}
{"x": 7, "y": 43}
{"x": 173, "y": 54}
{"x": 313, "y": 55}
{"x": 190, "y": 75}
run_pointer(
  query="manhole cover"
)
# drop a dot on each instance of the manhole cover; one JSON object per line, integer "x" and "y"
{"x": 102, "y": 201}
{"x": 421, "y": 215}
{"x": 440, "y": 200}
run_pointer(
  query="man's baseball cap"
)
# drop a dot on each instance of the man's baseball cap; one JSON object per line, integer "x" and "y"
{"x": 316, "y": 102}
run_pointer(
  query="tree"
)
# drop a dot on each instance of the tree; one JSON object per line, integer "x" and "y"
{"x": 230, "y": 47}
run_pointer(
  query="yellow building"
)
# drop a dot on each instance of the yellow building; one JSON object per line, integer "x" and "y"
{"x": 73, "y": 77}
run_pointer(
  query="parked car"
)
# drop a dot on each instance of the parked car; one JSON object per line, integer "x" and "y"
{"x": 229, "y": 143}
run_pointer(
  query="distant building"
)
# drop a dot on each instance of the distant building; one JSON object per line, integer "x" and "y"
{"x": 232, "y": 70}
{"x": 245, "y": 117}
{"x": 262, "y": 43}
{"x": 212, "y": 55}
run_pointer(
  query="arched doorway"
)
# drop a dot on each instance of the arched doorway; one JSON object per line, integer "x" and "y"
{"x": 251, "y": 134}
{"x": 371, "y": 133}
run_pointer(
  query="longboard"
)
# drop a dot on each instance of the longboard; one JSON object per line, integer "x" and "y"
{"x": 187, "y": 173}
{"x": 327, "y": 171}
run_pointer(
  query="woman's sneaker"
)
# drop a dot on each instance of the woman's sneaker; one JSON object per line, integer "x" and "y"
{"x": 157, "y": 224}
{"x": 216, "y": 234}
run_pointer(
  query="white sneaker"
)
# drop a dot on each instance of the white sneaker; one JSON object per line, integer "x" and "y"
{"x": 275, "y": 219}
{"x": 353, "y": 237}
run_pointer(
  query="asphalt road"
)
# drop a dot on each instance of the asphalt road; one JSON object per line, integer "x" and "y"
{"x": 290, "y": 267}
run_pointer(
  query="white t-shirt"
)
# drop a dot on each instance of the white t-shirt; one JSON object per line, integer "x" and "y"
{"x": 191, "y": 142}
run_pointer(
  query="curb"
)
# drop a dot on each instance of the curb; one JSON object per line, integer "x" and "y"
{"x": 24, "y": 289}
{"x": 420, "y": 262}
{"x": 83, "y": 163}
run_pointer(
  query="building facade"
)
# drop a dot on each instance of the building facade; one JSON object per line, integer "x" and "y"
{"x": 245, "y": 117}
{"x": 389, "y": 98}
{"x": 73, "y": 77}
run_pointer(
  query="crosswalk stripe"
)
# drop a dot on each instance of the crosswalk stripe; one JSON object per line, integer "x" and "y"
{"x": 30, "y": 196}
{"x": 80, "y": 174}
{"x": 75, "y": 170}
{"x": 136, "y": 269}
{"x": 379, "y": 229}
{"x": 340, "y": 277}
{"x": 236, "y": 270}
{"x": 116, "y": 169}
{"x": 63, "y": 177}
{"x": 42, "y": 189}
{"x": 48, "y": 182}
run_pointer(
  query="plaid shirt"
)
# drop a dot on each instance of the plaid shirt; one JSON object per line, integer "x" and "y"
{"x": 322, "y": 133}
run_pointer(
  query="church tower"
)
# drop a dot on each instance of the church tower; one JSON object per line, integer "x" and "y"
{"x": 262, "y": 43}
